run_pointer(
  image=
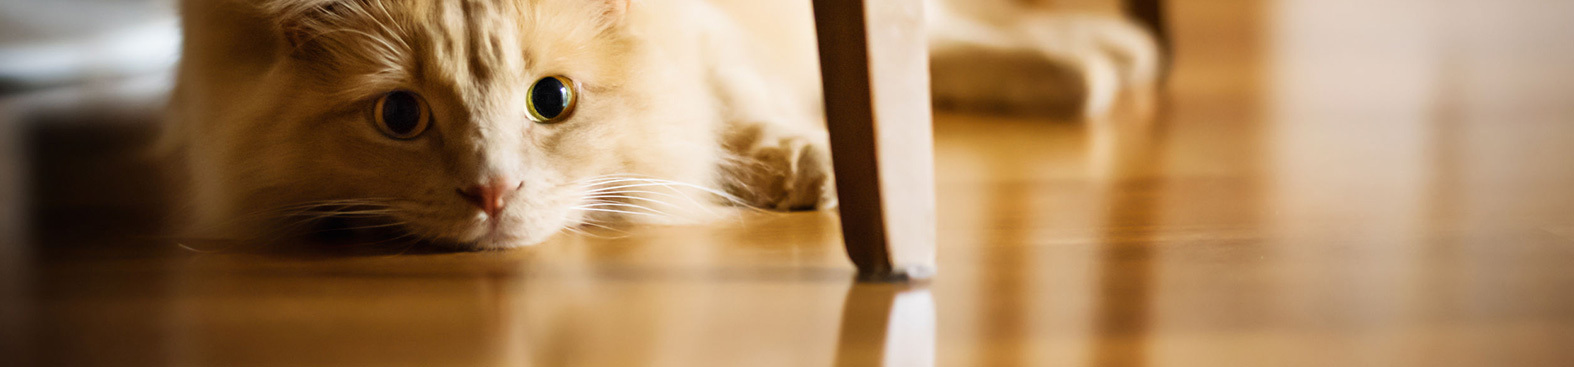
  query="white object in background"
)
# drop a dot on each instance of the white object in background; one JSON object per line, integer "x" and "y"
{"x": 148, "y": 48}
{"x": 54, "y": 42}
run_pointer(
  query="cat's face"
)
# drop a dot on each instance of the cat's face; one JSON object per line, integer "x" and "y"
{"x": 420, "y": 113}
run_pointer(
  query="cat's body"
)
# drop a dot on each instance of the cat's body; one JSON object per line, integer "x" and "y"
{"x": 273, "y": 115}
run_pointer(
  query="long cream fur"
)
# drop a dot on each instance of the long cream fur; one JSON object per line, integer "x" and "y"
{"x": 684, "y": 103}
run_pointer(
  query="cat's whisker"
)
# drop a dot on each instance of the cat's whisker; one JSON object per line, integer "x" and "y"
{"x": 373, "y": 226}
{"x": 368, "y": 203}
{"x": 622, "y": 178}
{"x": 625, "y": 184}
{"x": 591, "y": 235}
{"x": 622, "y": 205}
{"x": 605, "y": 227}
{"x": 355, "y": 210}
{"x": 576, "y": 231}
{"x": 617, "y": 189}
{"x": 290, "y": 219}
{"x": 670, "y": 184}
{"x": 344, "y": 201}
{"x": 293, "y": 217}
{"x": 615, "y": 211}
{"x": 588, "y": 222}
{"x": 614, "y": 176}
{"x": 615, "y": 197}
{"x": 183, "y": 246}
{"x": 611, "y": 205}
{"x": 297, "y": 208}
{"x": 347, "y": 214}
{"x": 631, "y": 197}
{"x": 621, "y": 233}
{"x": 633, "y": 194}
{"x": 734, "y": 201}
{"x": 332, "y": 209}
{"x": 335, "y": 207}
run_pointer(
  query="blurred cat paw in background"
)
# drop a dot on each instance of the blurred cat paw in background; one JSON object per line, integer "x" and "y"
{"x": 1006, "y": 57}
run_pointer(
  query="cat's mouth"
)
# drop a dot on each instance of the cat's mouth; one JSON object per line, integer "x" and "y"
{"x": 510, "y": 228}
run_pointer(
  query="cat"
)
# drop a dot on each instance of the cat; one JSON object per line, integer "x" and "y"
{"x": 492, "y": 124}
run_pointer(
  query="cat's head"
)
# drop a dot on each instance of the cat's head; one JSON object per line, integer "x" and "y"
{"x": 480, "y": 122}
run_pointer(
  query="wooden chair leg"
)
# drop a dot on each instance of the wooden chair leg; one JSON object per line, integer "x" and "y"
{"x": 875, "y": 66}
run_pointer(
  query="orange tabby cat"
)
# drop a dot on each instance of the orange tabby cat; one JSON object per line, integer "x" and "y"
{"x": 498, "y": 123}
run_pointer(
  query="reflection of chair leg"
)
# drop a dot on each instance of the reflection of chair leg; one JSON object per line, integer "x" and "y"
{"x": 886, "y": 325}
{"x": 877, "y": 111}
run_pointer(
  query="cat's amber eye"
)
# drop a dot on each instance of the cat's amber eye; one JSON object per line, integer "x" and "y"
{"x": 402, "y": 115}
{"x": 552, "y": 99}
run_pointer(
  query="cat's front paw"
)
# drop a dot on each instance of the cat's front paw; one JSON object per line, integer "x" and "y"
{"x": 792, "y": 173}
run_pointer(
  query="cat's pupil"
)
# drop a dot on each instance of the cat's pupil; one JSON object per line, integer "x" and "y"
{"x": 401, "y": 113}
{"x": 549, "y": 97}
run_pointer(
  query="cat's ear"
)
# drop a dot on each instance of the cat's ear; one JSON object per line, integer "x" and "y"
{"x": 298, "y": 21}
{"x": 613, "y": 12}
{"x": 295, "y": 33}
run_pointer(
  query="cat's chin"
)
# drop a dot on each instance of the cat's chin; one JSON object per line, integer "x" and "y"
{"x": 501, "y": 236}
{"x": 520, "y": 224}
{"x": 502, "y": 241}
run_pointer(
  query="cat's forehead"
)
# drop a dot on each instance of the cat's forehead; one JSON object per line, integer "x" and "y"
{"x": 459, "y": 42}
{"x": 479, "y": 39}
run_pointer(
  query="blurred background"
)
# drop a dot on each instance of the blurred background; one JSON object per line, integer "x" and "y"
{"x": 51, "y": 43}
{"x": 1325, "y": 182}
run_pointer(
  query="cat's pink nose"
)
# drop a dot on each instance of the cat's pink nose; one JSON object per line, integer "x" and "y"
{"x": 492, "y": 196}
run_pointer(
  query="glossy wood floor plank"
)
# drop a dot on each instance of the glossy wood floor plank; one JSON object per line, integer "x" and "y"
{"x": 1326, "y": 183}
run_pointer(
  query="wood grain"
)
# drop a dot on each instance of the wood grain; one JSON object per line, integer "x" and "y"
{"x": 1306, "y": 199}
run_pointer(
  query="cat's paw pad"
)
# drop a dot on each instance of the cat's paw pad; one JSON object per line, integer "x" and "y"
{"x": 787, "y": 174}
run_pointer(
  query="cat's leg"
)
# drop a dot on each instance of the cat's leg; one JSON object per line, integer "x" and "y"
{"x": 1076, "y": 65}
{"x": 775, "y": 147}
{"x": 776, "y": 152}
{"x": 772, "y": 166}
{"x": 1122, "y": 46}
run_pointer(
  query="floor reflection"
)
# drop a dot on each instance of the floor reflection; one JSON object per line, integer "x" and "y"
{"x": 1125, "y": 258}
{"x": 885, "y": 324}
{"x": 523, "y": 312}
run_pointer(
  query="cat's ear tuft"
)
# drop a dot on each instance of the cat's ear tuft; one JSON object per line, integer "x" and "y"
{"x": 613, "y": 12}
{"x": 299, "y": 21}
{"x": 295, "y": 34}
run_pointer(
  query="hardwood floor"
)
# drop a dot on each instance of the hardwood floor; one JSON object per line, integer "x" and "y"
{"x": 1325, "y": 183}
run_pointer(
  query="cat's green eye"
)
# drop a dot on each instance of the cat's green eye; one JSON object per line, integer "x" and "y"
{"x": 552, "y": 99}
{"x": 401, "y": 115}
